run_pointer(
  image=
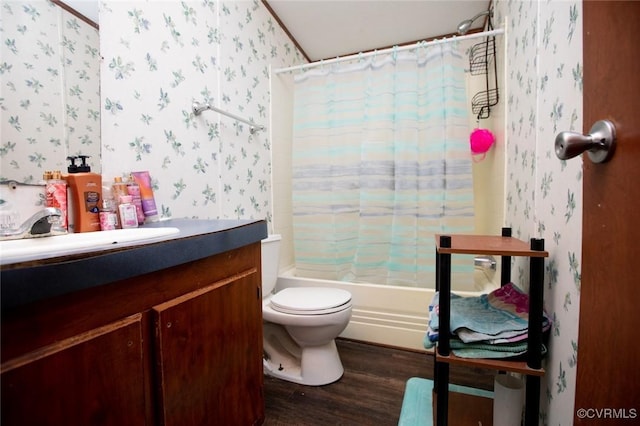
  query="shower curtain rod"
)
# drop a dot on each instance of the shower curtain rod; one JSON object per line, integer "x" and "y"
{"x": 390, "y": 49}
{"x": 198, "y": 107}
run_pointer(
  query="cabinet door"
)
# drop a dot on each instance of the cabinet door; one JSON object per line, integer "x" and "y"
{"x": 209, "y": 355}
{"x": 95, "y": 378}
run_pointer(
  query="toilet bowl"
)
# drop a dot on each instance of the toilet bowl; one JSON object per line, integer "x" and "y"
{"x": 300, "y": 326}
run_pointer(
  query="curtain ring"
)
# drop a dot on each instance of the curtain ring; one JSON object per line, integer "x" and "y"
{"x": 421, "y": 48}
{"x": 394, "y": 54}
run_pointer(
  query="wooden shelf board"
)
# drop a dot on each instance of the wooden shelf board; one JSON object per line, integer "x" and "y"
{"x": 493, "y": 364}
{"x": 488, "y": 244}
{"x": 466, "y": 409}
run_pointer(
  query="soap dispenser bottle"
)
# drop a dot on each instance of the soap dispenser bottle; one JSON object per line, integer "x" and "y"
{"x": 86, "y": 191}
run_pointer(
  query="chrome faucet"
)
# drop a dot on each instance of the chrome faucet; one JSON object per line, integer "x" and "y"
{"x": 44, "y": 223}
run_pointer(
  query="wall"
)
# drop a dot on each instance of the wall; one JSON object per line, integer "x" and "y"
{"x": 282, "y": 128}
{"x": 160, "y": 57}
{"x": 544, "y": 194}
{"x": 50, "y": 90}
{"x": 489, "y": 170}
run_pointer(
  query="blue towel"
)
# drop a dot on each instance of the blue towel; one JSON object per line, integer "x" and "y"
{"x": 475, "y": 313}
{"x": 493, "y": 325}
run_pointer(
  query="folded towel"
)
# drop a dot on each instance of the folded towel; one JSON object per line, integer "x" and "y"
{"x": 493, "y": 325}
{"x": 484, "y": 350}
{"x": 501, "y": 314}
{"x": 480, "y": 350}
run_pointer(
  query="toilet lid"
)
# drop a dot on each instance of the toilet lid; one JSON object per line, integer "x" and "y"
{"x": 310, "y": 300}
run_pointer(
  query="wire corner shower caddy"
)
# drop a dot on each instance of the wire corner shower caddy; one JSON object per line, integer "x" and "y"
{"x": 481, "y": 56}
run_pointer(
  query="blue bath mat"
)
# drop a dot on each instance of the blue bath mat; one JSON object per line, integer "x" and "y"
{"x": 417, "y": 405}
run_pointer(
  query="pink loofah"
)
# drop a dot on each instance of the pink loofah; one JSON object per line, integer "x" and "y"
{"x": 481, "y": 141}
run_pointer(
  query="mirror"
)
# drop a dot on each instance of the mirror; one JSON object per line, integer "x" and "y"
{"x": 50, "y": 76}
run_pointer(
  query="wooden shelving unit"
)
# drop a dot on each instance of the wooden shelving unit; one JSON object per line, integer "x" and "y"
{"x": 492, "y": 364}
{"x": 505, "y": 246}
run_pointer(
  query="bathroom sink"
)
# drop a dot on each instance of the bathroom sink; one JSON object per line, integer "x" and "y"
{"x": 13, "y": 251}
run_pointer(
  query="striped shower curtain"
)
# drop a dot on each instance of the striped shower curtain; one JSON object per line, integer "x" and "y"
{"x": 380, "y": 164}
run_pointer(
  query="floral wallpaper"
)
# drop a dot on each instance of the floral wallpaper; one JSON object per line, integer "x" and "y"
{"x": 158, "y": 58}
{"x": 544, "y": 194}
{"x": 50, "y": 100}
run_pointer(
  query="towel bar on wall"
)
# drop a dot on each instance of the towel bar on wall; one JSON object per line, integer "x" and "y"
{"x": 199, "y": 107}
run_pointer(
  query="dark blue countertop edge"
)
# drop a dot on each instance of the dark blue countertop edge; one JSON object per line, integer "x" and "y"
{"x": 196, "y": 240}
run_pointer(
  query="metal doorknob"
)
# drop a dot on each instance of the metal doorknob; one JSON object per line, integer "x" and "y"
{"x": 599, "y": 143}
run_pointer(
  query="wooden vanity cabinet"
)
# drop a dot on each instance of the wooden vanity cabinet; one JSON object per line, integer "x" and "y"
{"x": 216, "y": 324}
{"x": 72, "y": 381}
{"x": 181, "y": 346}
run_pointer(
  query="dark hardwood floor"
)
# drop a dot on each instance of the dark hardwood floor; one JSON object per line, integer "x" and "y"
{"x": 369, "y": 393}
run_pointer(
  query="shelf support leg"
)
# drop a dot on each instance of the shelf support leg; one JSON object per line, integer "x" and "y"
{"x": 442, "y": 393}
{"x": 532, "y": 401}
{"x": 443, "y": 283}
{"x": 536, "y": 301}
{"x": 534, "y": 344}
{"x": 505, "y": 265}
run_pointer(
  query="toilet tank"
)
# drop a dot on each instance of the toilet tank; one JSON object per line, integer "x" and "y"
{"x": 270, "y": 260}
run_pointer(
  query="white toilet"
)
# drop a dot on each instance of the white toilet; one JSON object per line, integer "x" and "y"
{"x": 300, "y": 325}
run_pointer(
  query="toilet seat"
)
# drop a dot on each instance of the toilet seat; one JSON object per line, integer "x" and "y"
{"x": 310, "y": 300}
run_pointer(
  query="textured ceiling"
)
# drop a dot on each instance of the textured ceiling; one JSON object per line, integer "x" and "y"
{"x": 326, "y": 29}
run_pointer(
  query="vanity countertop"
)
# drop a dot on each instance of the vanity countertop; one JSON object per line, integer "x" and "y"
{"x": 37, "y": 280}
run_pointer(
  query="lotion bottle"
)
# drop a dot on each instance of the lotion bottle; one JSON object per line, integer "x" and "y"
{"x": 143, "y": 179}
{"x": 86, "y": 192}
{"x": 134, "y": 190}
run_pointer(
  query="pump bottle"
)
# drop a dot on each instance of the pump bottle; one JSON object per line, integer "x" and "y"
{"x": 86, "y": 192}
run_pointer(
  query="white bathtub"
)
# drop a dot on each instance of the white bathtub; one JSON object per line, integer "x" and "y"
{"x": 388, "y": 315}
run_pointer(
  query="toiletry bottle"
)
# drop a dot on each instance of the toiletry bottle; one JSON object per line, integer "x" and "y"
{"x": 143, "y": 179}
{"x": 108, "y": 212}
{"x": 45, "y": 177}
{"x": 86, "y": 192}
{"x": 134, "y": 190}
{"x": 56, "y": 195}
{"x": 118, "y": 189}
{"x": 128, "y": 214}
